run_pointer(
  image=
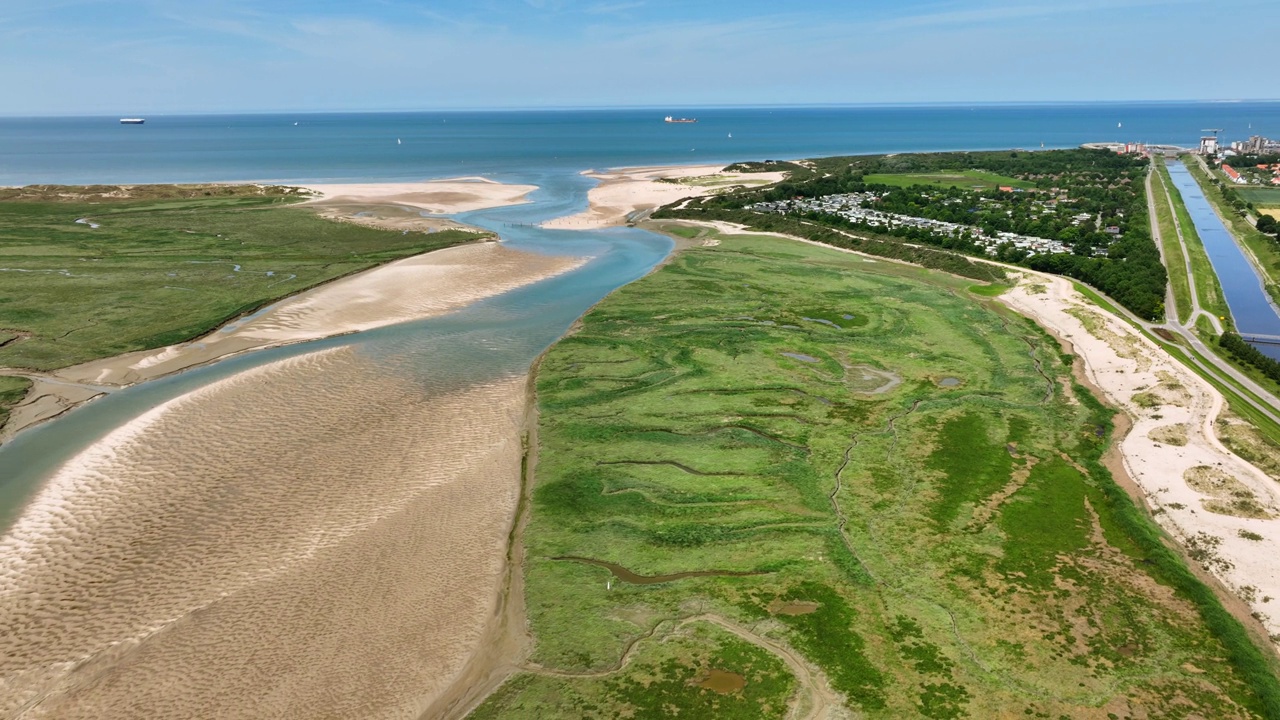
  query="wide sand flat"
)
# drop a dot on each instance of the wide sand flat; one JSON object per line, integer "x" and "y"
{"x": 409, "y": 289}
{"x": 317, "y": 537}
{"x": 1163, "y": 397}
{"x": 625, "y": 191}
{"x": 439, "y": 197}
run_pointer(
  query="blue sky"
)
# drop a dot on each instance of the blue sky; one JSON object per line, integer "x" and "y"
{"x": 155, "y": 56}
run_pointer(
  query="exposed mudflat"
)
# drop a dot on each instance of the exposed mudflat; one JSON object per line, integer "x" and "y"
{"x": 312, "y": 538}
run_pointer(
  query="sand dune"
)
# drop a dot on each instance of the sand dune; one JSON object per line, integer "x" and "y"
{"x": 312, "y": 538}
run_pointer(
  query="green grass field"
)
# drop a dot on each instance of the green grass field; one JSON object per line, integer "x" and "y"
{"x": 1260, "y": 196}
{"x": 907, "y": 470}
{"x": 164, "y": 268}
{"x": 966, "y": 179}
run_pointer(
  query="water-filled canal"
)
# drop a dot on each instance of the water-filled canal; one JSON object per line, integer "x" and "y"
{"x": 1251, "y": 307}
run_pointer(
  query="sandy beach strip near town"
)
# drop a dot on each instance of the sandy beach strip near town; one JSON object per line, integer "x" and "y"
{"x": 410, "y": 289}
{"x": 622, "y": 192}
{"x": 323, "y": 536}
{"x": 1220, "y": 507}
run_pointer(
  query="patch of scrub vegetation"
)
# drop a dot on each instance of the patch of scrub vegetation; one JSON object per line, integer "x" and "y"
{"x": 160, "y": 264}
{"x": 1228, "y": 495}
{"x": 697, "y": 671}
{"x": 1243, "y": 439}
{"x": 1170, "y": 434}
{"x": 957, "y": 551}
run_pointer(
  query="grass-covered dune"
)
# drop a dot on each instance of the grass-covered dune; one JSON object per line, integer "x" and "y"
{"x": 90, "y": 272}
{"x": 891, "y": 488}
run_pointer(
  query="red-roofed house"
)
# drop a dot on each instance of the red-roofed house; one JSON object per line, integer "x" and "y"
{"x": 1233, "y": 175}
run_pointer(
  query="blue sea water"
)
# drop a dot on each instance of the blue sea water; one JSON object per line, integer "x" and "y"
{"x": 501, "y": 336}
{"x": 516, "y": 144}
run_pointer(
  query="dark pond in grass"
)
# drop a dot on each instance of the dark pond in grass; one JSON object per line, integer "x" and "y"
{"x": 949, "y": 382}
{"x": 722, "y": 681}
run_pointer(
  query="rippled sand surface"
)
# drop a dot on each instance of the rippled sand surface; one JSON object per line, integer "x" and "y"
{"x": 313, "y": 538}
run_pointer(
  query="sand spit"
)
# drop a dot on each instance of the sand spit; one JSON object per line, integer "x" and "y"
{"x": 408, "y": 289}
{"x": 317, "y": 537}
{"x": 1242, "y": 549}
{"x": 438, "y": 197}
{"x": 622, "y": 192}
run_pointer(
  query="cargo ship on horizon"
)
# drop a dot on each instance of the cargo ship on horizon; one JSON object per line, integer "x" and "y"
{"x": 679, "y": 120}
{"x": 132, "y": 121}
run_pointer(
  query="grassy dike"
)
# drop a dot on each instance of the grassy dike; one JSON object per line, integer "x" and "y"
{"x": 790, "y": 454}
{"x": 164, "y": 263}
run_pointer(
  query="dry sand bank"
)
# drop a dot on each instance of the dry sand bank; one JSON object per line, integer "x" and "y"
{"x": 408, "y": 289}
{"x": 625, "y": 191}
{"x": 317, "y": 537}
{"x": 439, "y": 197}
{"x": 1189, "y": 479}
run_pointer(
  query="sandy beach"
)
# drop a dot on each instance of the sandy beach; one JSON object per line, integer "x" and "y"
{"x": 623, "y": 192}
{"x": 1216, "y": 504}
{"x": 323, "y": 536}
{"x": 437, "y": 197}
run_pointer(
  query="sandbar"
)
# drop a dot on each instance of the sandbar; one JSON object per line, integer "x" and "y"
{"x": 437, "y": 197}
{"x": 623, "y": 193}
{"x": 322, "y": 536}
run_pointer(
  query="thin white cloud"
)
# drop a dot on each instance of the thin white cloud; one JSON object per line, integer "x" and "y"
{"x": 612, "y": 8}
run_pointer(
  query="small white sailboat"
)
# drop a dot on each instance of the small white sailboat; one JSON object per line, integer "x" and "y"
{"x": 1119, "y": 125}
{"x": 295, "y": 124}
{"x": 731, "y": 135}
{"x": 397, "y": 141}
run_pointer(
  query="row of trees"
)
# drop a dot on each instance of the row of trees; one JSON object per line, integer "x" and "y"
{"x": 1246, "y": 353}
